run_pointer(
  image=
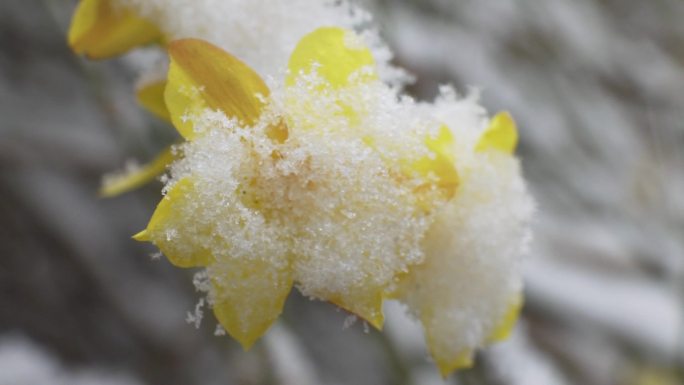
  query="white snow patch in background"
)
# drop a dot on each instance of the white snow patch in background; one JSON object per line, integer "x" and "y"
{"x": 22, "y": 362}
{"x": 517, "y": 362}
{"x": 645, "y": 313}
{"x": 290, "y": 363}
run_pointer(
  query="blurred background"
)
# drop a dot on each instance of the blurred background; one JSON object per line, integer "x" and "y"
{"x": 597, "y": 87}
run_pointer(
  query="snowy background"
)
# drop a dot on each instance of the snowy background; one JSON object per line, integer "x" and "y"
{"x": 597, "y": 87}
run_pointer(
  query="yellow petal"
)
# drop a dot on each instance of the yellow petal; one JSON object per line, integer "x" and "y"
{"x": 248, "y": 296}
{"x": 185, "y": 250}
{"x": 505, "y": 326}
{"x": 100, "y": 30}
{"x": 445, "y": 359}
{"x": 336, "y": 53}
{"x": 129, "y": 181}
{"x": 202, "y": 76}
{"x": 367, "y": 305}
{"x": 501, "y": 135}
{"x": 151, "y": 96}
{"x": 447, "y": 366}
{"x": 440, "y": 167}
{"x": 448, "y": 362}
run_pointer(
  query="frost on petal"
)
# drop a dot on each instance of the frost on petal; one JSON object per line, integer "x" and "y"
{"x": 248, "y": 295}
{"x": 102, "y": 28}
{"x": 203, "y": 76}
{"x": 439, "y": 167}
{"x": 184, "y": 246}
{"x": 336, "y": 54}
{"x": 467, "y": 292}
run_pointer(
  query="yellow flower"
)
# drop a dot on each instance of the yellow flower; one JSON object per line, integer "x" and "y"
{"x": 329, "y": 181}
{"x": 259, "y": 225}
{"x": 467, "y": 291}
{"x": 202, "y": 76}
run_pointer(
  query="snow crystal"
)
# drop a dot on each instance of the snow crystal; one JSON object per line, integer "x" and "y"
{"x": 156, "y": 255}
{"x": 195, "y": 317}
{"x": 349, "y": 321}
{"x": 201, "y": 281}
{"x": 219, "y": 331}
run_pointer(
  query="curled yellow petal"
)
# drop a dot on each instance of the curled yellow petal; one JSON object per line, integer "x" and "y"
{"x": 248, "y": 296}
{"x": 168, "y": 219}
{"x": 505, "y": 326}
{"x": 151, "y": 97}
{"x": 128, "y": 181}
{"x": 501, "y": 135}
{"x": 440, "y": 167}
{"x": 336, "y": 53}
{"x": 99, "y": 30}
{"x": 202, "y": 76}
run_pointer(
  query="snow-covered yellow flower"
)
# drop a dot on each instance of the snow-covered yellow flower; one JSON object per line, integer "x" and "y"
{"x": 326, "y": 178}
{"x": 331, "y": 181}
